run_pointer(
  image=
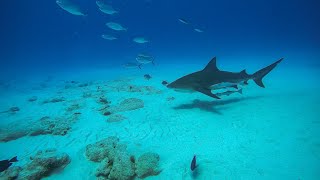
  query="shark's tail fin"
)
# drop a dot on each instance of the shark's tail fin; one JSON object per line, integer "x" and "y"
{"x": 258, "y": 76}
{"x": 14, "y": 159}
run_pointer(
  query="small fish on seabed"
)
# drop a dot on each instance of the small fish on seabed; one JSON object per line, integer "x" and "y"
{"x": 147, "y": 76}
{"x": 140, "y": 40}
{"x": 131, "y": 65}
{"x": 165, "y": 83}
{"x": 12, "y": 110}
{"x": 228, "y": 93}
{"x": 5, "y": 164}
{"x": 193, "y": 165}
{"x": 115, "y": 26}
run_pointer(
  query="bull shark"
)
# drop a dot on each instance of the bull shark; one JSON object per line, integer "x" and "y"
{"x": 205, "y": 80}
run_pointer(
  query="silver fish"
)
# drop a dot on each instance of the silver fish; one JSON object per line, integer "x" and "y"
{"x": 131, "y": 65}
{"x": 140, "y": 40}
{"x": 183, "y": 21}
{"x": 70, "y": 7}
{"x": 228, "y": 93}
{"x": 198, "y": 30}
{"x": 106, "y": 8}
{"x": 145, "y": 59}
{"x": 108, "y": 37}
{"x": 115, "y": 26}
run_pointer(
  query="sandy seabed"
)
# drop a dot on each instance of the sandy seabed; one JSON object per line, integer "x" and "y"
{"x": 270, "y": 133}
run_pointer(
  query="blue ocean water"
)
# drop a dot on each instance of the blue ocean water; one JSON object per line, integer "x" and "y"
{"x": 55, "y": 64}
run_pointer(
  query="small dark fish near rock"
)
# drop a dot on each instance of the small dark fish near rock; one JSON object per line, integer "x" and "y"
{"x": 147, "y": 76}
{"x": 193, "y": 163}
{"x": 33, "y": 98}
{"x": 5, "y": 164}
{"x": 165, "y": 83}
{"x": 12, "y": 110}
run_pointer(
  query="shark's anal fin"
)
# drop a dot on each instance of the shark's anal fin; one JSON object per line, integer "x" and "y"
{"x": 207, "y": 92}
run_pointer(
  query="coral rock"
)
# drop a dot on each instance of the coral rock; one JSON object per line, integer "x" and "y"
{"x": 116, "y": 118}
{"x": 147, "y": 165}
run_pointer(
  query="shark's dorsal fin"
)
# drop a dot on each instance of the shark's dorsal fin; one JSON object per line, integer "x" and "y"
{"x": 244, "y": 72}
{"x": 212, "y": 65}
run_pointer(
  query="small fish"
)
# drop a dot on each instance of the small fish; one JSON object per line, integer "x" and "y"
{"x": 228, "y": 93}
{"x": 5, "y": 164}
{"x": 115, "y": 26}
{"x": 193, "y": 163}
{"x": 235, "y": 86}
{"x": 145, "y": 59}
{"x": 105, "y": 8}
{"x": 108, "y": 37}
{"x": 165, "y": 83}
{"x": 147, "y": 76}
{"x": 132, "y": 65}
{"x": 70, "y": 7}
{"x": 183, "y": 21}
{"x": 198, "y": 30}
{"x": 12, "y": 110}
{"x": 140, "y": 40}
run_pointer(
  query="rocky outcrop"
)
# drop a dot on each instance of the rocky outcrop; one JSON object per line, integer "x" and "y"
{"x": 46, "y": 125}
{"x": 42, "y": 164}
{"x": 117, "y": 163}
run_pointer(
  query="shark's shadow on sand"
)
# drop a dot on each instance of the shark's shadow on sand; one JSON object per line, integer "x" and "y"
{"x": 212, "y": 106}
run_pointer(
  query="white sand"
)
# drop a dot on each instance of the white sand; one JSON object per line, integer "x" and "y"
{"x": 270, "y": 133}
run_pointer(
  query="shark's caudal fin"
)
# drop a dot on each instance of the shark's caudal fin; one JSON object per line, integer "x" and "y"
{"x": 14, "y": 159}
{"x": 258, "y": 76}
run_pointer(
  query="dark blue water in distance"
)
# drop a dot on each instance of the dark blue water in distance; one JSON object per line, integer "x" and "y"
{"x": 39, "y": 35}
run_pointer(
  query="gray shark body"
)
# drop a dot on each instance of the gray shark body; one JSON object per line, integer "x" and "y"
{"x": 205, "y": 80}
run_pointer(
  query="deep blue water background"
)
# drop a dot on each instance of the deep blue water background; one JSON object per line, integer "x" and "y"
{"x": 37, "y": 35}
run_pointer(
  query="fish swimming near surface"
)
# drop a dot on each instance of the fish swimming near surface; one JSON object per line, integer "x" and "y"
{"x": 115, "y": 26}
{"x": 193, "y": 163}
{"x": 108, "y": 37}
{"x": 5, "y": 164}
{"x": 202, "y": 80}
{"x": 183, "y": 21}
{"x": 131, "y": 65}
{"x": 228, "y": 93}
{"x": 145, "y": 59}
{"x": 140, "y": 40}
{"x": 71, "y": 7}
{"x": 106, "y": 8}
{"x": 198, "y": 30}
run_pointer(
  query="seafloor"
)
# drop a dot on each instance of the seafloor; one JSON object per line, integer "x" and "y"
{"x": 270, "y": 133}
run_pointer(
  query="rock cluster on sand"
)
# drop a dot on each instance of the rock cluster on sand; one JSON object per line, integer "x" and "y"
{"x": 117, "y": 163}
{"x": 116, "y": 118}
{"x": 147, "y": 164}
{"x": 127, "y": 105}
{"x": 148, "y": 90}
{"x": 41, "y": 165}
{"x": 54, "y": 100}
{"x": 46, "y": 125}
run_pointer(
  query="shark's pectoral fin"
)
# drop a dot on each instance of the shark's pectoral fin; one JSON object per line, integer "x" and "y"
{"x": 207, "y": 92}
